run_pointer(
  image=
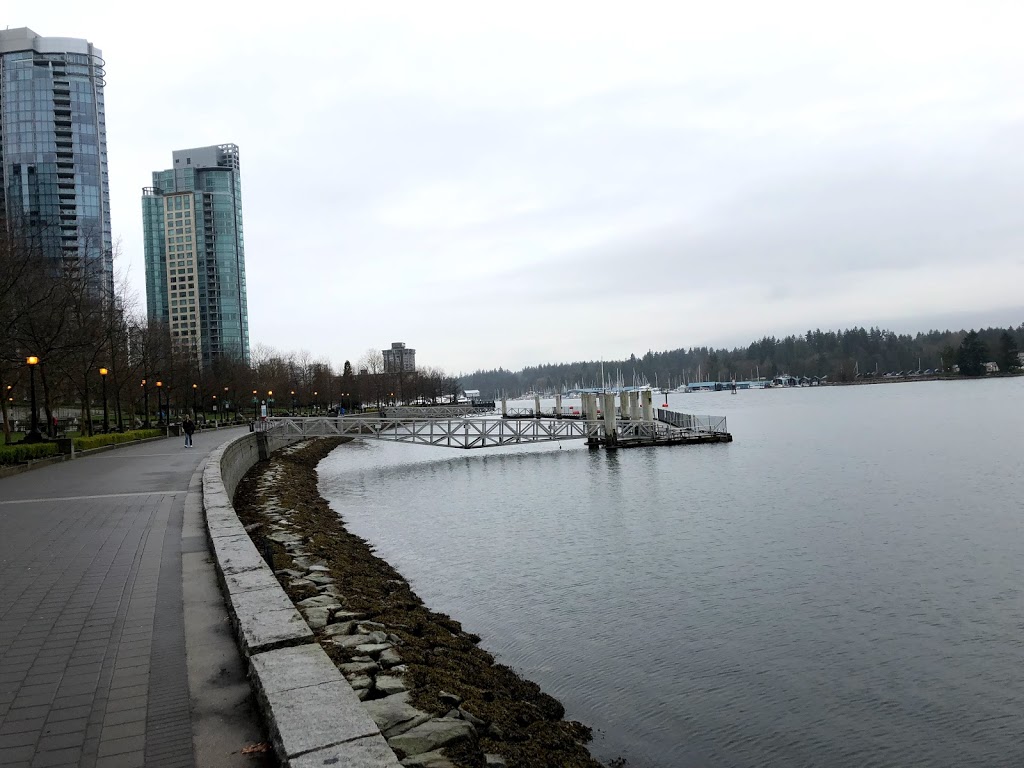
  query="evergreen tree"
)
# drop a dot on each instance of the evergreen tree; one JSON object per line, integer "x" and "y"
{"x": 1007, "y": 357}
{"x": 971, "y": 355}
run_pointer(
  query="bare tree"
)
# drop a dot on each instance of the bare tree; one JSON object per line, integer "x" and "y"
{"x": 24, "y": 291}
{"x": 373, "y": 362}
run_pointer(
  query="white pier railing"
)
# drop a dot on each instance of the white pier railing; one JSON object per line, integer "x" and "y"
{"x": 468, "y": 432}
{"x": 693, "y": 423}
{"x": 453, "y": 432}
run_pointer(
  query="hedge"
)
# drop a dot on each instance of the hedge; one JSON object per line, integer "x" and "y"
{"x": 19, "y": 453}
{"x": 96, "y": 441}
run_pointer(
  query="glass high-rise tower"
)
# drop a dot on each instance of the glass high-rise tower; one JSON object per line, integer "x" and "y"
{"x": 195, "y": 257}
{"x": 53, "y": 150}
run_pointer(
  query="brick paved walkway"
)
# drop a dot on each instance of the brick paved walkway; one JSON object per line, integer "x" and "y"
{"x": 92, "y": 644}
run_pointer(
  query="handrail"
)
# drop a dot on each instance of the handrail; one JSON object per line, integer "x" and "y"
{"x": 475, "y": 432}
{"x": 693, "y": 423}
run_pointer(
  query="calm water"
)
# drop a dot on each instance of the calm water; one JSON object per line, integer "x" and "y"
{"x": 840, "y": 586}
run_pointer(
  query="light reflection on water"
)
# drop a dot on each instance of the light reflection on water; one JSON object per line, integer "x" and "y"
{"x": 840, "y": 586}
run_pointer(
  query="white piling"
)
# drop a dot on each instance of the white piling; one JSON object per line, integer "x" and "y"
{"x": 648, "y": 405}
{"x": 610, "y": 436}
{"x": 504, "y": 407}
{"x": 634, "y": 406}
{"x": 558, "y": 406}
{"x": 536, "y": 406}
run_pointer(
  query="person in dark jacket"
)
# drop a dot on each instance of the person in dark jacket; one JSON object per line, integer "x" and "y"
{"x": 189, "y": 427}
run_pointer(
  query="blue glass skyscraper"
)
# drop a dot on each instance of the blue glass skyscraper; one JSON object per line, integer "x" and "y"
{"x": 195, "y": 255}
{"x": 53, "y": 150}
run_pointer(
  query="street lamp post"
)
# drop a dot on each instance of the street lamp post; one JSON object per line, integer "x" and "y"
{"x": 270, "y": 402}
{"x": 33, "y": 436}
{"x": 195, "y": 409}
{"x": 159, "y": 404}
{"x": 216, "y": 418}
{"x": 294, "y": 412}
{"x": 103, "y": 378}
{"x": 255, "y": 406}
{"x": 316, "y": 403}
{"x": 145, "y": 403}
{"x": 225, "y": 403}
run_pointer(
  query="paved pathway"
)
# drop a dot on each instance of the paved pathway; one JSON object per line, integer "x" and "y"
{"x": 92, "y": 633}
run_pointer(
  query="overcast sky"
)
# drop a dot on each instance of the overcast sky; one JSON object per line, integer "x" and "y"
{"x": 555, "y": 181}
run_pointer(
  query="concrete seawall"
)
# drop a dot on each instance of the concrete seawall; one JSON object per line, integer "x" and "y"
{"x": 314, "y": 716}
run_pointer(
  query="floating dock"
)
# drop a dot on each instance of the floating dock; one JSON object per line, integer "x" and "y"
{"x": 633, "y": 423}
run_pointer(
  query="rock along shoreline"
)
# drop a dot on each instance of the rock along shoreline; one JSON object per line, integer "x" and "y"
{"x": 439, "y": 699}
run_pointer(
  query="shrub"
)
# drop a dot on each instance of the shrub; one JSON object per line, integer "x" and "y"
{"x": 19, "y": 453}
{"x": 97, "y": 441}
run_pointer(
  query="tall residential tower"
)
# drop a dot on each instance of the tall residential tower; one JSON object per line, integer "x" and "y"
{"x": 399, "y": 359}
{"x": 195, "y": 257}
{"x": 53, "y": 150}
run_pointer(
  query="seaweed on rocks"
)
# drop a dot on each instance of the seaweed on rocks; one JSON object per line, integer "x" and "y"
{"x": 384, "y": 639}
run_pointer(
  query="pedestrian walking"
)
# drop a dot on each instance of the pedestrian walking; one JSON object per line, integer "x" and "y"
{"x": 189, "y": 427}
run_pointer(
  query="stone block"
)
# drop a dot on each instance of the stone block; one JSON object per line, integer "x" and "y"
{"x": 435, "y": 759}
{"x": 287, "y": 668}
{"x": 319, "y": 601}
{"x": 395, "y": 715}
{"x": 389, "y": 684}
{"x": 317, "y": 617}
{"x": 223, "y": 522}
{"x": 266, "y": 619}
{"x": 237, "y": 553}
{"x": 340, "y": 628}
{"x": 369, "y": 752}
{"x": 431, "y": 735}
{"x": 314, "y": 717}
{"x": 371, "y": 649}
{"x": 347, "y": 641}
{"x": 347, "y": 616}
{"x": 247, "y": 581}
{"x": 214, "y": 495}
{"x": 360, "y": 681}
{"x": 359, "y": 668}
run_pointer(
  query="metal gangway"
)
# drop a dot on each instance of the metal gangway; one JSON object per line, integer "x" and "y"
{"x": 483, "y": 432}
{"x": 451, "y": 432}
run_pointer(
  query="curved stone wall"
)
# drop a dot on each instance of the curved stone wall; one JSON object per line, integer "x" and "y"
{"x": 313, "y": 715}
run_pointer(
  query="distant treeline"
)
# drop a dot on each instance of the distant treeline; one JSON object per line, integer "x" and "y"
{"x": 839, "y": 355}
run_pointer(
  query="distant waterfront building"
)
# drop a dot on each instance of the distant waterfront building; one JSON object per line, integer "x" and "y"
{"x": 399, "y": 359}
{"x": 195, "y": 256}
{"x": 53, "y": 150}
